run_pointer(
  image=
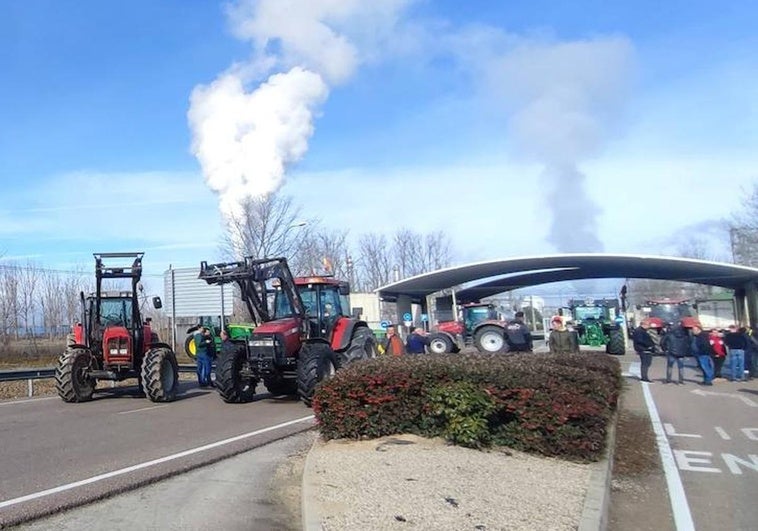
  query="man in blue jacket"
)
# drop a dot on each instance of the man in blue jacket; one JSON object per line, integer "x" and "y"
{"x": 203, "y": 340}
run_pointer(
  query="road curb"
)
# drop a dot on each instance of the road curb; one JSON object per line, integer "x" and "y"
{"x": 308, "y": 503}
{"x": 598, "y": 497}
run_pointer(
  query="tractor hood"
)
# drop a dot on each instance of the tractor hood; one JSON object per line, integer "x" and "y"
{"x": 286, "y": 326}
{"x": 451, "y": 327}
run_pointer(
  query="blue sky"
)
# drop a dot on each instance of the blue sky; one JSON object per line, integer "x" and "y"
{"x": 518, "y": 128}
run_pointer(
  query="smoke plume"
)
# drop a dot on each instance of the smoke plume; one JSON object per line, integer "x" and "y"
{"x": 256, "y": 119}
{"x": 564, "y": 100}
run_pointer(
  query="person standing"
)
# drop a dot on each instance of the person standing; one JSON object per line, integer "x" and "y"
{"x": 517, "y": 335}
{"x": 676, "y": 344}
{"x": 393, "y": 345}
{"x": 644, "y": 347}
{"x": 751, "y": 353}
{"x": 701, "y": 349}
{"x": 561, "y": 340}
{"x": 417, "y": 341}
{"x": 202, "y": 339}
{"x": 718, "y": 350}
{"x": 736, "y": 343}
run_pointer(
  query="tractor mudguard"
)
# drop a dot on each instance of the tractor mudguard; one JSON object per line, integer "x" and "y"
{"x": 159, "y": 344}
{"x": 342, "y": 333}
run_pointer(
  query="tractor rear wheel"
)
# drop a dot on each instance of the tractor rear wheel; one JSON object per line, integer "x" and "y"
{"x": 233, "y": 386}
{"x": 616, "y": 343}
{"x": 160, "y": 374}
{"x": 362, "y": 346}
{"x": 490, "y": 339}
{"x": 71, "y": 379}
{"x": 440, "y": 344}
{"x": 278, "y": 385}
{"x": 317, "y": 362}
{"x": 190, "y": 348}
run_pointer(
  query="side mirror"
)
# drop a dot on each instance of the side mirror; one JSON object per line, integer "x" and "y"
{"x": 344, "y": 288}
{"x": 639, "y": 307}
{"x": 157, "y": 304}
{"x": 356, "y": 313}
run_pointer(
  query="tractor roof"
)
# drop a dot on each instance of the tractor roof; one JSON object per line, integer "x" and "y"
{"x": 315, "y": 279}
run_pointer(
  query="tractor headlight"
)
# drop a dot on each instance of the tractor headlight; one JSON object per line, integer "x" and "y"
{"x": 261, "y": 343}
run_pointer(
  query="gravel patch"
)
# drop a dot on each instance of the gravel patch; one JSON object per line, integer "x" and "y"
{"x": 408, "y": 482}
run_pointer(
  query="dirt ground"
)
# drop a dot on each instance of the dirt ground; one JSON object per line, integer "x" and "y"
{"x": 639, "y": 497}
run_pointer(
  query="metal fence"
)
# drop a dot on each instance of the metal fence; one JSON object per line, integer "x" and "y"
{"x": 30, "y": 375}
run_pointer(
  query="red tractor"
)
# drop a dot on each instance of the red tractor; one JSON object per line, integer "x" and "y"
{"x": 481, "y": 324}
{"x": 113, "y": 343}
{"x": 303, "y": 334}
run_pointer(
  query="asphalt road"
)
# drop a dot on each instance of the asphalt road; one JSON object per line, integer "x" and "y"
{"x": 712, "y": 435}
{"x": 56, "y": 455}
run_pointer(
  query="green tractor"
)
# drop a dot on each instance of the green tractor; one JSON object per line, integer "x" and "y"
{"x": 236, "y": 331}
{"x": 598, "y": 323}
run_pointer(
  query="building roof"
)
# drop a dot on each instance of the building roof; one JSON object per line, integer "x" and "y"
{"x": 512, "y": 273}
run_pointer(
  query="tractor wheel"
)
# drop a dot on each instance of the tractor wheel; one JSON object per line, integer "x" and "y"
{"x": 190, "y": 348}
{"x": 277, "y": 385}
{"x": 440, "y": 344}
{"x": 490, "y": 339}
{"x": 362, "y": 346}
{"x": 71, "y": 380}
{"x": 317, "y": 362}
{"x": 232, "y": 385}
{"x": 616, "y": 343}
{"x": 160, "y": 375}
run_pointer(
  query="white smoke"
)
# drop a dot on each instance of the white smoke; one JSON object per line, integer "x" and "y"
{"x": 246, "y": 139}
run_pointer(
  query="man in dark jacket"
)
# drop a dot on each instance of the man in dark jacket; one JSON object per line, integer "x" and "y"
{"x": 203, "y": 341}
{"x": 561, "y": 340}
{"x": 676, "y": 344}
{"x": 644, "y": 347}
{"x": 736, "y": 342}
{"x": 701, "y": 349}
{"x": 517, "y": 335}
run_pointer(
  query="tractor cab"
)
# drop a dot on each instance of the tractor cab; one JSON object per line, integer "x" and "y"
{"x": 324, "y": 300}
{"x": 476, "y": 313}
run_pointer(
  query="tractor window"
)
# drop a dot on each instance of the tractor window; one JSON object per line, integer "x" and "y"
{"x": 589, "y": 312}
{"x": 282, "y": 306}
{"x": 116, "y": 312}
{"x": 330, "y": 301}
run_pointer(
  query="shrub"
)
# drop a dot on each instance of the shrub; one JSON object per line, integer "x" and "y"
{"x": 548, "y": 404}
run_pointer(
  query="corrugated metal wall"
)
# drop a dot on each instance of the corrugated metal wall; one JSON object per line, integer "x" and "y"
{"x": 194, "y": 297}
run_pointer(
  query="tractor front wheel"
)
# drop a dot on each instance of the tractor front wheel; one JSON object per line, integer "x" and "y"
{"x": 232, "y": 380}
{"x": 190, "y": 348}
{"x": 317, "y": 362}
{"x": 440, "y": 344}
{"x": 362, "y": 346}
{"x": 616, "y": 343}
{"x": 71, "y": 379}
{"x": 490, "y": 339}
{"x": 160, "y": 374}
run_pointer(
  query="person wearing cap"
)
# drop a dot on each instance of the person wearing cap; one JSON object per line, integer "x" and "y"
{"x": 517, "y": 335}
{"x": 561, "y": 340}
{"x": 644, "y": 347}
{"x": 736, "y": 343}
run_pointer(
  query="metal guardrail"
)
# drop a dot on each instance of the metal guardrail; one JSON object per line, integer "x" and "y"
{"x": 18, "y": 375}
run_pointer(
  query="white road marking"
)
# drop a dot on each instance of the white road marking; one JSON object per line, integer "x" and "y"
{"x": 671, "y": 432}
{"x": 27, "y": 401}
{"x": 141, "y": 409}
{"x": 634, "y": 369}
{"x": 679, "y": 506}
{"x": 745, "y": 399}
{"x": 722, "y": 433}
{"x": 147, "y": 464}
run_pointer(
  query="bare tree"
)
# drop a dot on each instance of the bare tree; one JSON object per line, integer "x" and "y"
{"x": 374, "y": 263}
{"x": 9, "y": 302}
{"x": 416, "y": 253}
{"x": 52, "y": 302}
{"x": 269, "y": 226}
{"x": 323, "y": 252}
{"x": 743, "y": 229}
{"x": 28, "y": 286}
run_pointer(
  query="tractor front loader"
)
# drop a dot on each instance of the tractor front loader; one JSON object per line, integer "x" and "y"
{"x": 111, "y": 342}
{"x": 303, "y": 335}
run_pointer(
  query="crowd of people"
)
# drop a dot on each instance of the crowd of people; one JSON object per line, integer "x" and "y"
{"x": 677, "y": 341}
